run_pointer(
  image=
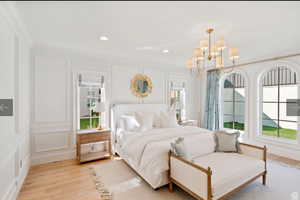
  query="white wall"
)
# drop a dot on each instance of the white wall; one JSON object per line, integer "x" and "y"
{"x": 253, "y": 73}
{"x": 53, "y": 112}
{"x": 14, "y": 83}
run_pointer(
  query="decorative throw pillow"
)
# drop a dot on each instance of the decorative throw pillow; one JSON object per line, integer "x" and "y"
{"x": 227, "y": 142}
{"x": 168, "y": 119}
{"x": 145, "y": 120}
{"x": 179, "y": 149}
{"x": 129, "y": 123}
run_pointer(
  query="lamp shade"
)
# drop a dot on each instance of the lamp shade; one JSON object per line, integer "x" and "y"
{"x": 204, "y": 44}
{"x": 100, "y": 107}
{"x": 221, "y": 44}
{"x": 233, "y": 53}
{"x": 189, "y": 64}
{"x": 198, "y": 53}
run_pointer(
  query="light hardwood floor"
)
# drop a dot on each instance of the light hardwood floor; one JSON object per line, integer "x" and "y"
{"x": 67, "y": 180}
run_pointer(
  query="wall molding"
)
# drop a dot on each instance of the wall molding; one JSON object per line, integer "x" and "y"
{"x": 11, "y": 192}
{"x": 21, "y": 178}
{"x": 16, "y": 185}
{"x": 66, "y": 136}
{"x": 48, "y": 157}
{"x": 65, "y": 63}
{"x": 50, "y": 127}
{"x": 9, "y": 11}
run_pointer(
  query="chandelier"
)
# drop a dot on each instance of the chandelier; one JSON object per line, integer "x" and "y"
{"x": 210, "y": 54}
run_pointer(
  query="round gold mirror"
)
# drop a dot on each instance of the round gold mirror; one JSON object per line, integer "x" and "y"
{"x": 141, "y": 85}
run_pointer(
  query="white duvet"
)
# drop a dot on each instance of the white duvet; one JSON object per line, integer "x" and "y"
{"x": 149, "y": 150}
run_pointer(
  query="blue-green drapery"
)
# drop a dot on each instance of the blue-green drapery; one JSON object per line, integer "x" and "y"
{"x": 211, "y": 116}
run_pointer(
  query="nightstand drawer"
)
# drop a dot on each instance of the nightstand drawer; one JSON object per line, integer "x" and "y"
{"x": 94, "y": 137}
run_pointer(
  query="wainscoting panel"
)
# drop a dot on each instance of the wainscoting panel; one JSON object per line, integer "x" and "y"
{"x": 51, "y": 81}
{"x": 51, "y": 141}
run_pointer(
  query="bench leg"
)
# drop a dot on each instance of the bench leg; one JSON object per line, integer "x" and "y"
{"x": 264, "y": 179}
{"x": 171, "y": 187}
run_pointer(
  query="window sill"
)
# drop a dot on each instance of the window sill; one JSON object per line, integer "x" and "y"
{"x": 279, "y": 142}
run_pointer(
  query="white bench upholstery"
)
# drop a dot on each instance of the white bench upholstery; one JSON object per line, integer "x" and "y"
{"x": 218, "y": 175}
{"x": 230, "y": 170}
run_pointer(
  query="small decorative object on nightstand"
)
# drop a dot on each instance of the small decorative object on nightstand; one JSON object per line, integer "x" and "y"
{"x": 188, "y": 123}
{"x": 92, "y": 136}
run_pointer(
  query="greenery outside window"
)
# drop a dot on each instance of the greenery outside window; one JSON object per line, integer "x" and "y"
{"x": 234, "y": 102}
{"x": 90, "y": 93}
{"x": 278, "y": 85}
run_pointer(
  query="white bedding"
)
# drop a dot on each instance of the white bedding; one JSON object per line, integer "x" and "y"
{"x": 149, "y": 150}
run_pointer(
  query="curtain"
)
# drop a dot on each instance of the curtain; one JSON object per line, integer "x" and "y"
{"x": 211, "y": 116}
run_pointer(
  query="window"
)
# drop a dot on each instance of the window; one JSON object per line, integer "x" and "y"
{"x": 278, "y": 85}
{"x": 234, "y": 102}
{"x": 91, "y": 93}
{"x": 178, "y": 99}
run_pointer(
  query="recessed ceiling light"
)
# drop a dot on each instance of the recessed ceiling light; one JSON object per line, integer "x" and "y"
{"x": 103, "y": 38}
{"x": 165, "y": 51}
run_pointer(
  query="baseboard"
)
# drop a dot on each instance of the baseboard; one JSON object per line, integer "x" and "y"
{"x": 47, "y": 157}
{"x": 22, "y": 176}
{"x": 292, "y": 154}
{"x": 11, "y": 192}
{"x": 16, "y": 185}
{"x": 279, "y": 149}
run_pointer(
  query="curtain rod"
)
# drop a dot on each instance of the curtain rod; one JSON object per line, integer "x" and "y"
{"x": 254, "y": 62}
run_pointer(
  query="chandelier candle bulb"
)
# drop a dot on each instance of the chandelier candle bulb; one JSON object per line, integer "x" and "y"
{"x": 219, "y": 61}
{"x": 214, "y": 51}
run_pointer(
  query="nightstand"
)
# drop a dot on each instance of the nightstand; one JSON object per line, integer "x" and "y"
{"x": 189, "y": 123}
{"x": 92, "y": 136}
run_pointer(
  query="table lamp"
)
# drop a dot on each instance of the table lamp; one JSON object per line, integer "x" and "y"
{"x": 100, "y": 108}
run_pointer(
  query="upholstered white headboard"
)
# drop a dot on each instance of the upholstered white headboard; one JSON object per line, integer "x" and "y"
{"x": 118, "y": 110}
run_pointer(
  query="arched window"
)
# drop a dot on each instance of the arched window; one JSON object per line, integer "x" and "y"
{"x": 278, "y": 85}
{"x": 233, "y": 97}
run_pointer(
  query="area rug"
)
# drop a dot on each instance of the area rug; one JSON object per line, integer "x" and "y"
{"x": 116, "y": 181}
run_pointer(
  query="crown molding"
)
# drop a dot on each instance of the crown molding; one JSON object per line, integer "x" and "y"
{"x": 11, "y": 14}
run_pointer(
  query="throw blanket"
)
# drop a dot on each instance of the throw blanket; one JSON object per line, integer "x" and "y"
{"x": 149, "y": 150}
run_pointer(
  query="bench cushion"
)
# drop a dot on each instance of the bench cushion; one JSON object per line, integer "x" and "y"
{"x": 230, "y": 170}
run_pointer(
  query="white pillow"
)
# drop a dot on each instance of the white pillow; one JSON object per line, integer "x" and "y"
{"x": 129, "y": 123}
{"x": 168, "y": 119}
{"x": 157, "y": 120}
{"x": 121, "y": 124}
{"x": 145, "y": 120}
{"x": 179, "y": 148}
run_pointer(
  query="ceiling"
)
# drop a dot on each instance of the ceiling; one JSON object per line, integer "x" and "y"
{"x": 141, "y": 30}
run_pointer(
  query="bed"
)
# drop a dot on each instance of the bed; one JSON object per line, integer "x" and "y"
{"x": 147, "y": 152}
